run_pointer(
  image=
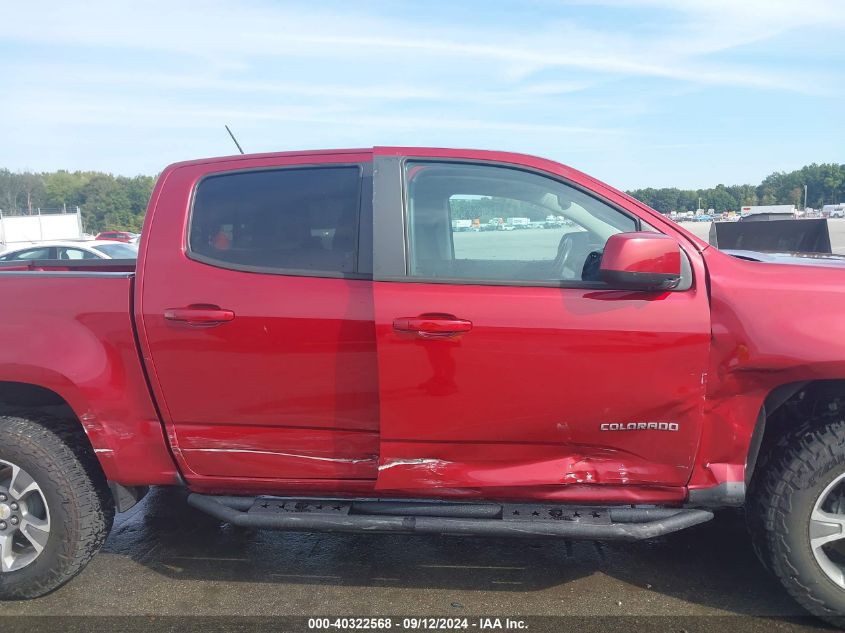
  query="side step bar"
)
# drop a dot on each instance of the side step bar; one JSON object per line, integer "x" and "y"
{"x": 621, "y": 523}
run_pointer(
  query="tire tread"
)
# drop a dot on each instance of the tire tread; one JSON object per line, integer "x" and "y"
{"x": 75, "y": 476}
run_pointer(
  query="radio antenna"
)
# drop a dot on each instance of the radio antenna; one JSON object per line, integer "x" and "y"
{"x": 240, "y": 149}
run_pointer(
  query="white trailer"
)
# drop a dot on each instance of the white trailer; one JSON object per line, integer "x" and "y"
{"x": 769, "y": 209}
{"x": 16, "y": 230}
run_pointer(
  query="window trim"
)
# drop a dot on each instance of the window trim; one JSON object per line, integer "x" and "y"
{"x": 685, "y": 285}
{"x": 365, "y": 172}
{"x": 19, "y": 252}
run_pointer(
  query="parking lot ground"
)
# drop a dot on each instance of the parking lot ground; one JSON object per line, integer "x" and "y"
{"x": 168, "y": 559}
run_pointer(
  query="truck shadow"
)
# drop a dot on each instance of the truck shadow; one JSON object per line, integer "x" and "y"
{"x": 711, "y": 565}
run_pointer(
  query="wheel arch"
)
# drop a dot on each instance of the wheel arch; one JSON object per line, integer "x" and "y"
{"x": 781, "y": 407}
{"x": 130, "y": 453}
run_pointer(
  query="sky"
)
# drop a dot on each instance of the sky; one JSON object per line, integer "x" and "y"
{"x": 686, "y": 93}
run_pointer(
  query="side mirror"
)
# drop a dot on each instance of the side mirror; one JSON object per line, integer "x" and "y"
{"x": 641, "y": 261}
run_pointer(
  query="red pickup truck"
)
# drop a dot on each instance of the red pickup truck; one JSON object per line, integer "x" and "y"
{"x": 306, "y": 343}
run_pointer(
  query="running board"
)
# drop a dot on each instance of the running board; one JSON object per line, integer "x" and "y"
{"x": 620, "y": 523}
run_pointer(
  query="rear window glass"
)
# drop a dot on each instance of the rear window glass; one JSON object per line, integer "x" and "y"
{"x": 297, "y": 220}
{"x": 118, "y": 251}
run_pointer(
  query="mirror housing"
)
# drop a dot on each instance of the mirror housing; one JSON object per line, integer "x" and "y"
{"x": 641, "y": 261}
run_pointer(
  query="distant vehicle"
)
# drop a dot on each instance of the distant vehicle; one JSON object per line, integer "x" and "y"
{"x": 518, "y": 223}
{"x": 117, "y": 236}
{"x": 461, "y": 225}
{"x": 833, "y": 210}
{"x": 98, "y": 249}
{"x": 704, "y": 218}
{"x": 536, "y": 225}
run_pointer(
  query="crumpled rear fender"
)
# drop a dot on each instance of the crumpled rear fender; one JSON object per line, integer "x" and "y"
{"x": 72, "y": 334}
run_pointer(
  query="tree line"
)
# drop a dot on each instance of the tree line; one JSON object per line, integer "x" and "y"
{"x": 109, "y": 202}
{"x": 825, "y": 185}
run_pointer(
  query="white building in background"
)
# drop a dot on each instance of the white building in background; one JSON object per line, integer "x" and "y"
{"x": 26, "y": 229}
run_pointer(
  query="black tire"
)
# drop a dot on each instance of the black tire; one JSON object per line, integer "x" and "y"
{"x": 782, "y": 496}
{"x": 81, "y": 508}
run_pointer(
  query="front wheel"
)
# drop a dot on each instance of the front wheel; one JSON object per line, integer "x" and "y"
{"x": 797, "y": 507}
{"x": 55, "y": 509}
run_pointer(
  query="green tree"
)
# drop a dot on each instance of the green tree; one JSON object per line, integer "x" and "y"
{"x": 102, "y": 195}
{"x": 64, "y": 189}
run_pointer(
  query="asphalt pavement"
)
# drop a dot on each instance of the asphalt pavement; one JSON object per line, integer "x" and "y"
{"x": 167, "y": 559}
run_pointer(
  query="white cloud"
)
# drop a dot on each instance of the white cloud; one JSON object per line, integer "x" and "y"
{"x": 127, "y": 82}
{"x": 230, "y": 37}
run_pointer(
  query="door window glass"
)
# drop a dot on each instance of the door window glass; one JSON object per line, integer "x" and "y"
{"x": 482, "y": 222}
{"x": 32, "y": 253}
{"x": 74, "y": 253}
{"x": 299, "y": 220}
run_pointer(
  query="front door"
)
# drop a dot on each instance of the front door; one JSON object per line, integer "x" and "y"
{"x": 505, "y": 368}
{"x": 258, "y": 320}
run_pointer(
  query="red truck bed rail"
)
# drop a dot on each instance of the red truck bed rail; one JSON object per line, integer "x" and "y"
{"x": 63, "y": 265}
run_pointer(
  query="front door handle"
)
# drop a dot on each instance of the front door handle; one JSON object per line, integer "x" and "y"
{"x": 206, "y": 315}
{"x": 432, "y": 326}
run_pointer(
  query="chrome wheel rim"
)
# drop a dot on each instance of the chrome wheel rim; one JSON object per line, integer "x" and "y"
{"x": 827, "y": 530}
{"x": 24, "y": 518}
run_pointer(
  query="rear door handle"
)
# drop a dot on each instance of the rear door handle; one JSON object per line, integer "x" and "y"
{"x": 432, "y": 326}
{"x": 199, "y": 315}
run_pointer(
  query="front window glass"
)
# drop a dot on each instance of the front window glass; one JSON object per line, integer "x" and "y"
{"x": 482, "y": 222}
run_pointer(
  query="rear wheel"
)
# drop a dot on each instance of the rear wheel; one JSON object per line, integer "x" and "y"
{"x": 55, "y": 508}
{"x": 24, "y": 518}
{"x": 797, "y": 516}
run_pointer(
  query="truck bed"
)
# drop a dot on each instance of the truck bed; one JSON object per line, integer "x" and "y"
{"x": 67, "y": 328}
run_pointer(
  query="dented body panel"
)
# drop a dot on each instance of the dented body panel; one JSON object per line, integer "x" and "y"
{"x": 773, "y": 324}
{"x": 521, "y": 400}
{"x": 566, "y": 394}
{"x": 82, "y": 348}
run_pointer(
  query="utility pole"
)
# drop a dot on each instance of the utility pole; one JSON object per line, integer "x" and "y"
{"x": 805, "y": 198}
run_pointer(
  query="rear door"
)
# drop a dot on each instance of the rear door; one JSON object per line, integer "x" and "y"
{"x": 258, "y": 321}
{"x": 505, "y": 368}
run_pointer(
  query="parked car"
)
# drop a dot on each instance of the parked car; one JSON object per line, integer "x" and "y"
{"x": 302, "y": 357}
{"x": 119, "y": 236}
{"x": 96, "y": 249}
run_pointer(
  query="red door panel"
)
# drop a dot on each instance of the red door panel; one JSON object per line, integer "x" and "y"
{"x": 261, "y": 376}
{"x": 516, "y": 405}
